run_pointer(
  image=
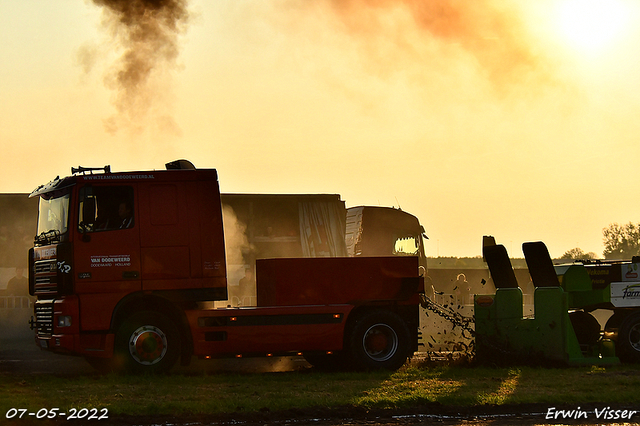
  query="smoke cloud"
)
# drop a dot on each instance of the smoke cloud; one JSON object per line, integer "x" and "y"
{"x": 147, "y": 32}
{"x": 491, "y": 33}
{"x": 242, "y": 289}
{"x": 235, "y": 238}
{"x": 439, "y": 41}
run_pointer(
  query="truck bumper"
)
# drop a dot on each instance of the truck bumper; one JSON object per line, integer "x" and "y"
{"x": 58, "y": 330}
{"x": 92, "y": 345}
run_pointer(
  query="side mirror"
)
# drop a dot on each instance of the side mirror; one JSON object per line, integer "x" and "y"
{"x": 88, "y": 217}
{"x": 89, "y": 210}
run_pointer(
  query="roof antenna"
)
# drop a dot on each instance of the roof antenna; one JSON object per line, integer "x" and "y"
{"x": 398, "y": 203}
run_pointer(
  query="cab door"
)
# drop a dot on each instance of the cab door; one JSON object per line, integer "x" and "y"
{"x": 107, "y": 252}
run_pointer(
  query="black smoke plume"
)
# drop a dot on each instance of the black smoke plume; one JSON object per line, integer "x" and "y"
{"x": 148, "y": 33}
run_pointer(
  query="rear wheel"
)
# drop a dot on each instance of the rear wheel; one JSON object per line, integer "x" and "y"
{"x": 628, "y": 343}
{"x": 147, "y": 342}
{"x": 379, "y": 340}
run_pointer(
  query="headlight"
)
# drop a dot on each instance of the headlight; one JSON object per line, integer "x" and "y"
{"x": 64, "y": 321}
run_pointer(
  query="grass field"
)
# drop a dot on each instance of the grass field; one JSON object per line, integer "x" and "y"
{"x": 412, "y": 386}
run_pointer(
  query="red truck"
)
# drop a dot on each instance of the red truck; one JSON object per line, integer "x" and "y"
{"x": 124, "y": 266}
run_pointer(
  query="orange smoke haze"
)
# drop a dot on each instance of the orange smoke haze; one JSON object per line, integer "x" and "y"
{"x": 490, "y": 32}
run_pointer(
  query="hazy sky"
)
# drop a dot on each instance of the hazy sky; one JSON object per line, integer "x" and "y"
{"x": 514, "y": 118}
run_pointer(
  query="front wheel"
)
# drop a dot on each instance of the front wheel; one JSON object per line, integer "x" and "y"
{"x": 379, "y": 340}
{"x": 147, "y": 342}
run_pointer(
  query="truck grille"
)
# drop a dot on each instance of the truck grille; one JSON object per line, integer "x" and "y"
{"x": 45, "y": 276}
{"x": 44, "y": 318}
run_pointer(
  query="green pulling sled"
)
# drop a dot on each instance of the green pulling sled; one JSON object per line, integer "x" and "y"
{"x": 562, "y": 330}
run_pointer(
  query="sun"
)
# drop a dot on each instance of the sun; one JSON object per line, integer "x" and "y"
{"x": 591, "y": 26}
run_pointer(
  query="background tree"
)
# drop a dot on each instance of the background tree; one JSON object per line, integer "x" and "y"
{"x": 578, "y": 254}
{"x": 621, "y": 241}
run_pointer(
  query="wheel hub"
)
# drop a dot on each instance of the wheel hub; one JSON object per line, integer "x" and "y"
{"x": 148, "y": 345}
{"x": 380, "y": 342}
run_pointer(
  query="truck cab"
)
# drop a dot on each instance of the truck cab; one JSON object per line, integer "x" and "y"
{"x": 384, "y": 231}
{"x": 109, "y": 243}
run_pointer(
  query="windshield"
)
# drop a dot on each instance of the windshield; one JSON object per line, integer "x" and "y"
{"x": 53, "y": 215}
{"x": 407, "y": 246}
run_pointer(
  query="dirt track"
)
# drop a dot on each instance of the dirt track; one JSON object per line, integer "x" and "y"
{"x": 20, "y": 356}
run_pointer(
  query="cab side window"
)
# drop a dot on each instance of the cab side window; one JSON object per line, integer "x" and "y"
{"x": 105, "y": 208}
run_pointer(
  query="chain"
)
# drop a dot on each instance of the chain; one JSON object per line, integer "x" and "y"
{"x": 457, "y": 319}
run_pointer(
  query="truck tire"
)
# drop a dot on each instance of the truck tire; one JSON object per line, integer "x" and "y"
{"x": 379, "y": 340}
{"x": 628, "y": 343}
{"x": 147, "y": 342}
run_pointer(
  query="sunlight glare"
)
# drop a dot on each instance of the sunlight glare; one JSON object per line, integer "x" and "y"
{"x": 592, "y": 25}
